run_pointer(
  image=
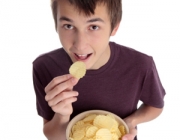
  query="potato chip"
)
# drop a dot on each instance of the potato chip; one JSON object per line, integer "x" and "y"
{"x": 78, "y": 69}
{"x": 111, "y": 116}
{"x": 114, "y": 136}
{"x": 70, "y": 134}
{"x": 114, "y": 126}
{"x": 71, "y": 138}
{"x": 103, "y": 134}
{"x": 91, "y": 131}
{"x": 122, "y": 130}
{"x": 87, "y": 125}
{"x": 118, "y": 133}
{"x": 85, "y": 138}
{"x": 78, "y": 134}
{"x": 89, "y": 118}
{"x": 102, "y": 121}
{"x": 78, "y": 125}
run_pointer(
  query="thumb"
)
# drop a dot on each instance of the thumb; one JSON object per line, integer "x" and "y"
{"x": 128, "y": 137}
{"x": 73, "y": 82}
{"x": 131, "y": 135}
{"x": 124, "y": 138}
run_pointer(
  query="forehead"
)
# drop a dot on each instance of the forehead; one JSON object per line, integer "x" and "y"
{"x": 65, "y": 8}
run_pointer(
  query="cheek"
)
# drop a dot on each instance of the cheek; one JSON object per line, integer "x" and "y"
{"x": 65, "y": 37}
{"x": 102, "y": 34}
{"x": 100, "y": 38}
{"x": 96, "y": 37}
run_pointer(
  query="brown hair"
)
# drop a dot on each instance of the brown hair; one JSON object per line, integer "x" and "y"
{"x": 88, "y": 6}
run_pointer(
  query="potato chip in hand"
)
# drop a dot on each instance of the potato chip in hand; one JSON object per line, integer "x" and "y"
{"x": 78, "y": 69}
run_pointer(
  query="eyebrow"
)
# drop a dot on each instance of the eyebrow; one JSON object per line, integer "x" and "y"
{"x": 95, "y": 20}
{"x": 66, "y": 19}
{"x": 89, "y": 21}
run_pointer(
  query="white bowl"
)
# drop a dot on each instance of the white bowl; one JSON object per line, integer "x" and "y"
{"x": 98, "y": 112}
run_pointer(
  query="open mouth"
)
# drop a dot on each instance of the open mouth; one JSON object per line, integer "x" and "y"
{"x": 83, "y": 56}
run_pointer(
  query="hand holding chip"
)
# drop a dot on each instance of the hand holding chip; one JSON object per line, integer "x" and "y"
{"x": 59, "y": 94}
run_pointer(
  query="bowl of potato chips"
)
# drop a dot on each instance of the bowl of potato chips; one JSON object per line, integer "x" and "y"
{"x": 96, "y": 125}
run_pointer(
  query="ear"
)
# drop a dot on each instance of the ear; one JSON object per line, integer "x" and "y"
{"x": 115, "y": 29}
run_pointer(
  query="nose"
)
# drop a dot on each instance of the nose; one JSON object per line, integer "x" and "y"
{"x": 80, "y": 41}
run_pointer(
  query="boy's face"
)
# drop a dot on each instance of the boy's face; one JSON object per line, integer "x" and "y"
{"x": 85, "y": 38}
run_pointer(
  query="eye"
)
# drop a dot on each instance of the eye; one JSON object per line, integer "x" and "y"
{"x": 68, "y": 27}
{"x": 94, "y": 27}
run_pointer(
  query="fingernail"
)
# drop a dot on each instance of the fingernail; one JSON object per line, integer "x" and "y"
{"x": 77, "y": 93}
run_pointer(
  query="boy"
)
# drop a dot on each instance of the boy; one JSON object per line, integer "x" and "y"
{"x": 117, "y": 77}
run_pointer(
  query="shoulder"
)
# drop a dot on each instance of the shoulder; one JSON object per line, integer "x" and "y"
{"x": 47, "y": 55}
{"x": 51, "y": 64}
{"x": 52, "y": 57}
{"x": 133, "y": 57}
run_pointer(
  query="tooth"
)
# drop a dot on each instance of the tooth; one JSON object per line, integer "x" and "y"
{"x": 82, "y": 55}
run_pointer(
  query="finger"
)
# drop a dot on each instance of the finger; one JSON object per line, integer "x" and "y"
{"x": 56, "y": 81}
{"x": 131, "y": 135}
{"x": 68, "y": 85}
{"x": 62, "y": 96}
{"x": 62, "y": 105}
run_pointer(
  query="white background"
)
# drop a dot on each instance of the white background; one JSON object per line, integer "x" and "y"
{"x": 27, "y": 30}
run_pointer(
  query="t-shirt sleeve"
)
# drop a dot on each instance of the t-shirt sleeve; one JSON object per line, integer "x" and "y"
{"x": 43, "y": 108}
{"x": 152, "y": 91}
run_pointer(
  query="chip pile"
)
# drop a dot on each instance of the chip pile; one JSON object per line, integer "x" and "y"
{"x": 78, "y": 69}
{"x": 97, "y": 127}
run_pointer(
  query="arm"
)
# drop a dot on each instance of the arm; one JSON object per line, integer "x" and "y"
{"x": 55, "y": 129}
{"x": 145, "y": 113}
{"x": 60, "y": 96}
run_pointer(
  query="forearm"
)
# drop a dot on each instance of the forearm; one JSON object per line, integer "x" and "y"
{"x": 144, "y": 113}
{"x": 56, "y": 128}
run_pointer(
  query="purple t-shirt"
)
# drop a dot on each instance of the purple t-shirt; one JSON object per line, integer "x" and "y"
{"x": 128, "y": 76}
